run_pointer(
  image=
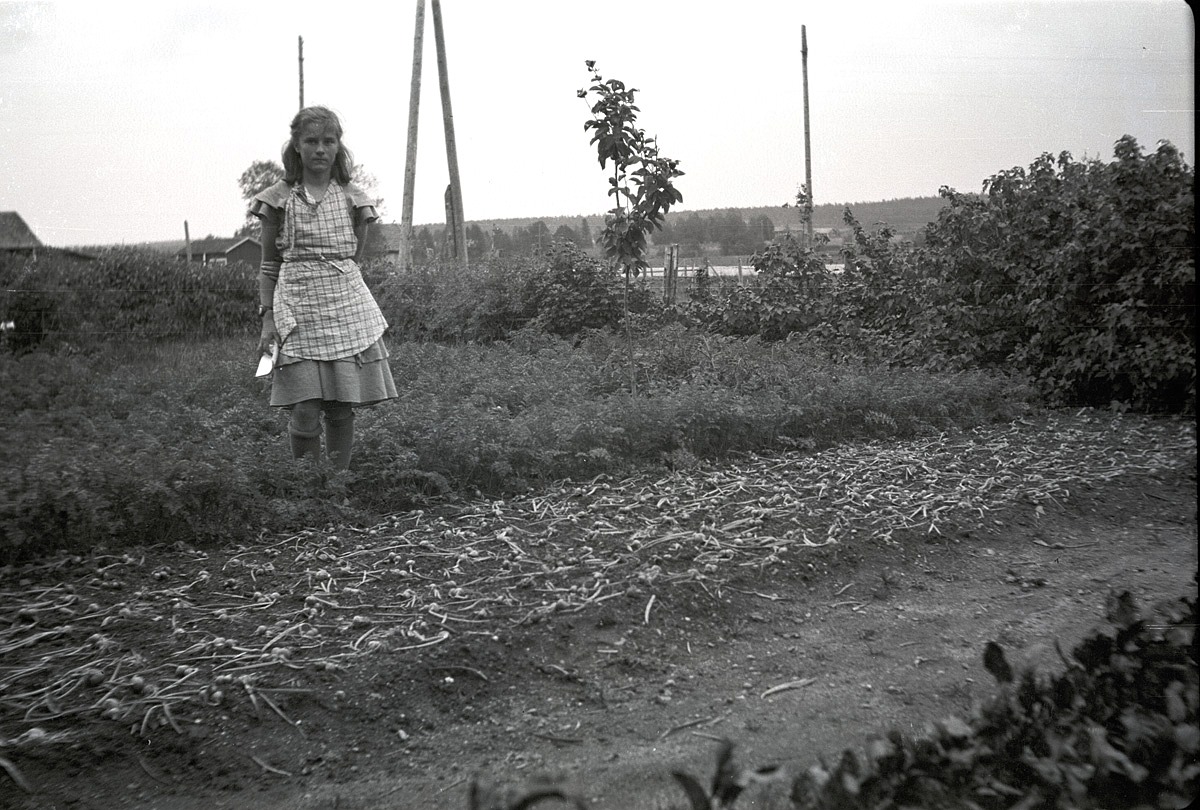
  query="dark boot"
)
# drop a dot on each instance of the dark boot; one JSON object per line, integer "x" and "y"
{"x": 304, "y": 429}
{"x": 339, "y": 436}
{"x": 305, "y": 443}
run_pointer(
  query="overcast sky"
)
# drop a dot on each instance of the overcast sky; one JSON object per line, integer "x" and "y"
{"x": 120, "y": 120}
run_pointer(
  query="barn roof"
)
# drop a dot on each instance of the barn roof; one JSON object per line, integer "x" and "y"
{"x": 15, "y": 234}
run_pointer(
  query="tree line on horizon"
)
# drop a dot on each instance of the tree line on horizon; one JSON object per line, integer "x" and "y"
{"x": 728, "y": 231}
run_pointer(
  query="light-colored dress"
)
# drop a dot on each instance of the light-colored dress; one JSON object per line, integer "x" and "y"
{"x": 330, "y": 326}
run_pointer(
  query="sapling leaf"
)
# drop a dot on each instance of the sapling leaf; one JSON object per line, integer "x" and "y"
{"x": 996, "y": 664}
{"x": 695, "y": 793}
{"x": 1120, "y": 609}
{"x": 954, "y": 728}
{"x": 1109, "y": 759}
{"x": 1177, "y": 709}
{"x": 537, "y": 795}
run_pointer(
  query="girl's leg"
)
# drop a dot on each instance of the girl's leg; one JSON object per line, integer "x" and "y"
{"x": 304, "y": 429}
{"x": 339, "y": 433}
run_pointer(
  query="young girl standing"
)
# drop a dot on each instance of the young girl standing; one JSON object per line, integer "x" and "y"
{"x": 314, "y": 304}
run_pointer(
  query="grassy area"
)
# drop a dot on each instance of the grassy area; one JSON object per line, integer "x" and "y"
{"x": 174, "y": 442}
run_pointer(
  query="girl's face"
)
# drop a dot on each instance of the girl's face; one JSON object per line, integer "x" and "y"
{"x": 318, "y": 147}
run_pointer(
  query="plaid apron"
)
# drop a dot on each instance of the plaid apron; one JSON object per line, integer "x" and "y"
{"x": 323, "y": 308}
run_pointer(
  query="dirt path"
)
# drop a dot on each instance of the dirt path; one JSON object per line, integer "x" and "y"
{"x": 754, "y": 628}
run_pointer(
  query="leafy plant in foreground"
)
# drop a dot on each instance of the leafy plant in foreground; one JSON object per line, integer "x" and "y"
{"x": 1117, "y": 729}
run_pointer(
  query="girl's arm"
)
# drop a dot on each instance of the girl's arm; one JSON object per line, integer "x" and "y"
{"x": 361, "y": 229}
{"x": 362, "y": 214}
{"x": 268, "y": 276}
{"x": 271, "y": 260}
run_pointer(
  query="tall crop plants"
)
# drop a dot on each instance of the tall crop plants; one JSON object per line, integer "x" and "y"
{"x": 122, "y": 294}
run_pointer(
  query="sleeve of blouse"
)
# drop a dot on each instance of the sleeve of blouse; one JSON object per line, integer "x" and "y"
{"x": 362, "y": 205}
{"x": 269, "y": 203}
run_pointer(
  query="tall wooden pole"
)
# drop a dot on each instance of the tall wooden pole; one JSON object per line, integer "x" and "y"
{"x": 460, "y": 235}
{"x": 301, "y": 54}
{"x": 410, "y": 164}
{"x": 808, "y": 226}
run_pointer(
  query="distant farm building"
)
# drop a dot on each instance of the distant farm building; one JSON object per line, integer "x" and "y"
{"x": 246, "y": 250}
{"x": 834, "y": 235}
{"x": 16, "y": 237}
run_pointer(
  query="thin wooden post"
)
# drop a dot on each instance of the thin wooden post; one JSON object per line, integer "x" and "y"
{"x": 301, "y": 52}
{"x": 670, "y": 273}
{"x": 187, "y": 241}
{"x": 450, "y": 237}
{"x": 448, "y": 125}
{"x": 808, "y": 225}
{"x": 410, "y": 164}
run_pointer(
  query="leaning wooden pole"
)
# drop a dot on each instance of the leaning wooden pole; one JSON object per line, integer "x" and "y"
{"x": 300, "y": 46}
{"x": 808, "y": 225}
{"x": 459, "y": 224}
{"x": 410, "y": 163}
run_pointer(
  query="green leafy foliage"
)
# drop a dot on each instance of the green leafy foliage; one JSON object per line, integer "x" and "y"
{"x": 145, "y": 443}
{"x": 560, "y": 290}
{"x": 124, "y": 294}
{"x": 881, "y": 303}
{"x": 447, "y": 302}
{"x": 791, "y": 293}
{"x": 258, "y": 176}
{"x": 879, "y": 280}
{"x": 1118, "y": 728}
{"x": 145, "y": 446}
{"x": 1081, "y": 273}
{"x": 728, "y": 782}
{"x": 642, "y": 185}
{"x": 574, "y": 292}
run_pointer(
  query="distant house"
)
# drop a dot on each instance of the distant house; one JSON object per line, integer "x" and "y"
{"x": 224, "y": 251}
{"x": 834, "y": 235}
{"x": 16, "y": 237}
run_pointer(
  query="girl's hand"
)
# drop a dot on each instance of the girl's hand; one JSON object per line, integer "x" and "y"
{"x": 269, "y": 334}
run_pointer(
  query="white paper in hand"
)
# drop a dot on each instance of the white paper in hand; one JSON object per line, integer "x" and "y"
{"x": 266, "y": 363}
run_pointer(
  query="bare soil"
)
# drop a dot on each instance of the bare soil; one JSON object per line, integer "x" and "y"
{"x": 600, "y": 634}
